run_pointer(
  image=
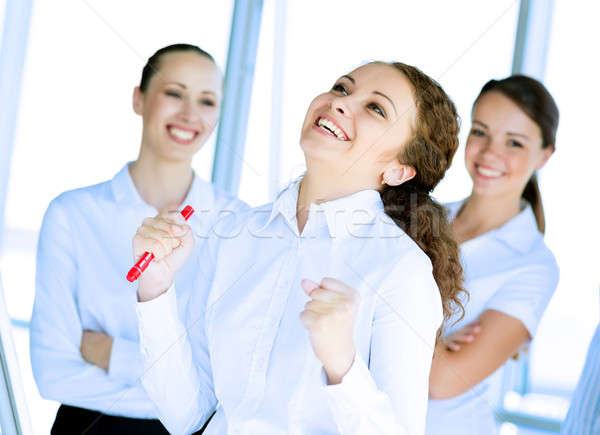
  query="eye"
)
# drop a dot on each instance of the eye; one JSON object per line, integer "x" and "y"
{"x": 477, "y": 132}
{"x": 338, "y": 87}
{"x": 377, "y": 109}
{"x": 208, "y": 102}
{"x": 173, "y": 94}
{"x": 515, "y": 144}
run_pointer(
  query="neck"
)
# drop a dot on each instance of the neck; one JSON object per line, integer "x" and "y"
{"x": 321, "y": 185}
{"x": 482, "y": 213}
{"x": 161, "y": 184}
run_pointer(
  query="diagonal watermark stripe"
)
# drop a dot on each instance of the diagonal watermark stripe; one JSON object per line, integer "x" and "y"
{"x": 415, "y": 331}
{"x": 156, "y": 71}
{"x": 182, "y": 336}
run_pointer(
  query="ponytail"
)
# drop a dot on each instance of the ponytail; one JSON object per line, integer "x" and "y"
{"x": 532, "y": 194}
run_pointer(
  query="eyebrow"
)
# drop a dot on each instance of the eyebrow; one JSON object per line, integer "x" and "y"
{"x": 510, "y": 133}
{"x": 387, "y": 98}
{"x": 375, "y": 92}
{"x": 185, "y": 87}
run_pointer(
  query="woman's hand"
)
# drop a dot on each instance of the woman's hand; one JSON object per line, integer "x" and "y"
{"x": 329, "y": 317}
{"x": 95, "y": 348}
{"x": 467, "y": 334}
{"x": 170, "y": 239}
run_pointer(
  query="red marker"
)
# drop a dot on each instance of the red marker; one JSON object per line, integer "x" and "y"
{"x": 144, "y": 261}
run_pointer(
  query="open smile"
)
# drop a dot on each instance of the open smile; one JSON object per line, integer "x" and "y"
{"x": 487, "y": 172}
{"x": 328, "y": 127}
{"x": 182, "y": 135}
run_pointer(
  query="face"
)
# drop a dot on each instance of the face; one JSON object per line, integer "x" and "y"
{"x": 504, "y": 147}
{"x": 180, "y": 106}
{"x": 358, "y": 128}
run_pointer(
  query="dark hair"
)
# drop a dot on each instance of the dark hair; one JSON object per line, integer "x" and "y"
{"x": 153, "y": 64}
{"x": 534, "y": 99}
{"x": 429, "y": 151}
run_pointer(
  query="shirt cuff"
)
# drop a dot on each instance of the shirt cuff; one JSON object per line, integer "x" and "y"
{"x": 126, "y": 364}
{"x": 159, "y": 325}
{"x": 345, "y": 398}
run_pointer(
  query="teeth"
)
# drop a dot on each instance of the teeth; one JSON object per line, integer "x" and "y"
{"x": 488, "y": 172}
{"x": 332, "y": 127}
{"x": 181, "y": 134}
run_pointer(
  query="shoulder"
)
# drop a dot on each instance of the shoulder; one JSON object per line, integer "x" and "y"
{"x": 80, "y": 199}
{"x": 539, "y": 262}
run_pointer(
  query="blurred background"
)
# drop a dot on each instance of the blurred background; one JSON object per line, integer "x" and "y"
{"x": 68, "y": 69}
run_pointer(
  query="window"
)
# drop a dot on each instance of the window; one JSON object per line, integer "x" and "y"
{"x": 326, "y": 39}
{"x": 76, "y": 126}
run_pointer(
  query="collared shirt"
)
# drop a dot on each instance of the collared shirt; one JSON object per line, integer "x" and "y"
{"x": 509, "y": 269}
{"x": 84, "y": 253}
{"x": 243, "y": 338}
{"x": 584, "y": 413}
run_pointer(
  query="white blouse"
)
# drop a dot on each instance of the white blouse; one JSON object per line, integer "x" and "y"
{"x": 84, "y": 253}
{"x": 244, "y": 351}
{"x": 511, "y": 270}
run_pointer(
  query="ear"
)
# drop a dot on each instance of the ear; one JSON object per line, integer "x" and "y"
{"x": 138, "y": 101}
{"x": 546, "y": 153}
{"x": 397, "y": 173}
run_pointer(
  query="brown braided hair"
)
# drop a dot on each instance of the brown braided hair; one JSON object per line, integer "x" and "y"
{"x": 429, "y": 151}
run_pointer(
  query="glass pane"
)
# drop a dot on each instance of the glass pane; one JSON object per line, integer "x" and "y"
{"x": 326, "y": 39}
{"x": 569, "y": 184}
{"x": 76, "y": 125}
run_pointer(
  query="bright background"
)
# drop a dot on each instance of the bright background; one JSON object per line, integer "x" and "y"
{"x": 76, "y": 126}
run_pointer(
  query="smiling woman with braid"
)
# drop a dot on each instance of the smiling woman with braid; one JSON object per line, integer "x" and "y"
{"x": 318, "y": 313}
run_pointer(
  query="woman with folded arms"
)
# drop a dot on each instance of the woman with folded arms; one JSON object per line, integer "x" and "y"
{"x": 318, "y": 313}
{"x": 84, "y": 336}
{"x": 510, "y": 273}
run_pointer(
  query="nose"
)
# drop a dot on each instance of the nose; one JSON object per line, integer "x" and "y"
{"x": 341, "y": 106}
{"x": 189, "y": 112}
{"x": 493, "y": 147}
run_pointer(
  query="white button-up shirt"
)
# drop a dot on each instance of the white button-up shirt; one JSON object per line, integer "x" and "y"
{"x": 84, "y": 253}
{"x": 247, "y": 350}
{"x": 509, "y": 269}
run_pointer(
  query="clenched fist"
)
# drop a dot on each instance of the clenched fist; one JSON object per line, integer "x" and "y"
{"x": 329, "y": 317}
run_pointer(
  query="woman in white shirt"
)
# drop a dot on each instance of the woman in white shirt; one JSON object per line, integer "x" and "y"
{"x": 84, "y": 335}
{"x": 510, "y": 274}
{"x": 318, "y": 313}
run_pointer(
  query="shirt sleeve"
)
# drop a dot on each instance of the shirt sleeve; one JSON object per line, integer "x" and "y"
{"x": 126, "y": 363}
{"x": 582, "y": 417}
{"x": 389, "y": 395}
{"x": 527, "y": 293}
{"x": 59, "y": 370}
{"x": 177, "y": 373}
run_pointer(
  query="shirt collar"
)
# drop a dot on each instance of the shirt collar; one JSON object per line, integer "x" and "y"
{"x": 519, "y": 233}
{"x": 344, "y": 216}
{"x": 200, "y": 195}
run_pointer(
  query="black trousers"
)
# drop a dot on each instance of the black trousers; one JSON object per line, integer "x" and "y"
{"x": 77, "y": 421}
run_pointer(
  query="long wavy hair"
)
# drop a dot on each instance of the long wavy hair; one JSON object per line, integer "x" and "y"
{"x": 429, "y": 151}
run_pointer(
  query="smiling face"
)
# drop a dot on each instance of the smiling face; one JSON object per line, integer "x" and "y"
{"x": 504, "y": 147}
{"x": 358, "y": 128}
{"x": 180, "y": 107}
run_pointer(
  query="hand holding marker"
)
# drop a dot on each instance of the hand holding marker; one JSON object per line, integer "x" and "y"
{"x": 141, "y": 265}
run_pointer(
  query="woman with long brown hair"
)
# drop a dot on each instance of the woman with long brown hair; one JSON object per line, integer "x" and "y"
{"x": 510, "y": 273}
{"x": 305, "y": 308}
